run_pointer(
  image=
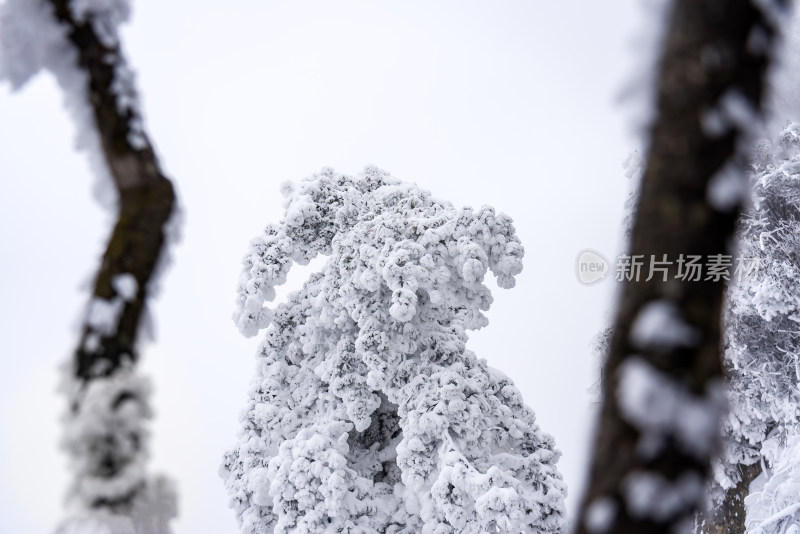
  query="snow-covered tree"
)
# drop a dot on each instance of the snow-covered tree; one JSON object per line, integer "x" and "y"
{"x": 762, "y": 335}
{"x": 367, "y": 412}
{"x": 108, "y": 399}
{"x": 762, "y": 324}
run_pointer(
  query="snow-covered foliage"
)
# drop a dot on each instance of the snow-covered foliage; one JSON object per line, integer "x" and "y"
{"x": 773, "y": 505}
{"x": 368, "y": 413}
{"x": 762, "y": 321}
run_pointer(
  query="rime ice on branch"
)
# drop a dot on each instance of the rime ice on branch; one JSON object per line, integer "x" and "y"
{"x": 106, "y": 430}
{"x": 367, "y": 412}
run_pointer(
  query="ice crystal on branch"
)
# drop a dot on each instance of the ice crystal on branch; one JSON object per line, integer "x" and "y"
{"x": 368, "y": 413}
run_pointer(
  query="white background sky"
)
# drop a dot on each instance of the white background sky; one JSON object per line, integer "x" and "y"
{"x": 507, "y": 103}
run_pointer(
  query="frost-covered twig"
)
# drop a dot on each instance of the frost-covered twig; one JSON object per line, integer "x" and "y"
{"x": 787, "y": 515}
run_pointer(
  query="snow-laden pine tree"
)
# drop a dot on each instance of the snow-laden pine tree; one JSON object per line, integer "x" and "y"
{"x": 762, "y": 334}
{"x": 367, "y": 412}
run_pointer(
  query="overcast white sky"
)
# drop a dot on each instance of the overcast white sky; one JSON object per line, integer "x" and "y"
{"x": 507, "y": 103}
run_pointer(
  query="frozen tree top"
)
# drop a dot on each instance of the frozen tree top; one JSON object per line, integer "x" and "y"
{"x": 385, "y": 235}
{"x": 367, "y": 413}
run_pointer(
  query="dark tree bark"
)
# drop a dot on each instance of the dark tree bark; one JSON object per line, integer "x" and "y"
{"x": 729, "y": 517}
{"x": 649, "y": 478}
{"x": 146, "y": 201}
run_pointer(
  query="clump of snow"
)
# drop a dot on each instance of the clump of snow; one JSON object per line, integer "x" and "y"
{"x": 660, "y": 407}
{"x": 728, "y": 188}
{"x": 600, "y": 515}
{"x": 126, "y": 286}
{"x": 367, "y": 412}
{"x": 106, "y": 437}
{"x": 713, "y": 123}
{"x": 124, "y": 87}
{"x": 105, "y": 16}
{"x": 650, "y": 495}
{"x": 734, "y": 110}
{"x": 32, "y": 40}
{"x": 150, "y": 514}
{"x": 660, "y": 326}
{"x": 103, "y": 315}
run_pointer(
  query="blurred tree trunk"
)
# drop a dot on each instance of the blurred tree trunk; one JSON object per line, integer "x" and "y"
{"x": 662, "y": 390}
{"x": 106, "y": 426}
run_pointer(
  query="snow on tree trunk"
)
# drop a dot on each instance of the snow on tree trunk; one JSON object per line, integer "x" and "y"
{"x": 367, "y": 412}
{"x": 106, "y": 424}
{"x": 662, "y": 390}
